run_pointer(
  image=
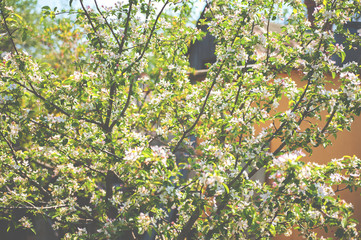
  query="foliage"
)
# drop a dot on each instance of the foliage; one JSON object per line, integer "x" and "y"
{"x": 21, "y": 23}
{"x": 104, "y": 146}
{"x": 54, "y": 42}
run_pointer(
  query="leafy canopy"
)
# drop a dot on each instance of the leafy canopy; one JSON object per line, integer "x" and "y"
{"x": 103, "y": 144}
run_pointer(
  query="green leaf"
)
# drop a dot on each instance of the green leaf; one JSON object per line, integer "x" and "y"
{"x": 272, "y": 230}
{"x": 226, "y": 187}
{"x": 10, "y": 20}
{"x": 343, "y": 56}
{"x": 46, "y": 8}
{"x": 18, "y": 16}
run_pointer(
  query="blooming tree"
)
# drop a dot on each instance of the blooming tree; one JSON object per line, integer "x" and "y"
{"x": 106, "y": 149}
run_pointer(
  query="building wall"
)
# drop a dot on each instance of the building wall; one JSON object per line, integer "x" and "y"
{"x": 346, "y": 143}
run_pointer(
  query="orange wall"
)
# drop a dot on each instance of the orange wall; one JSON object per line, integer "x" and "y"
{"x": 346, "y": 143}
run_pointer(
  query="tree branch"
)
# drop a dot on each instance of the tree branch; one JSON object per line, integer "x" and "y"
{"x": 7, "y": 27}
